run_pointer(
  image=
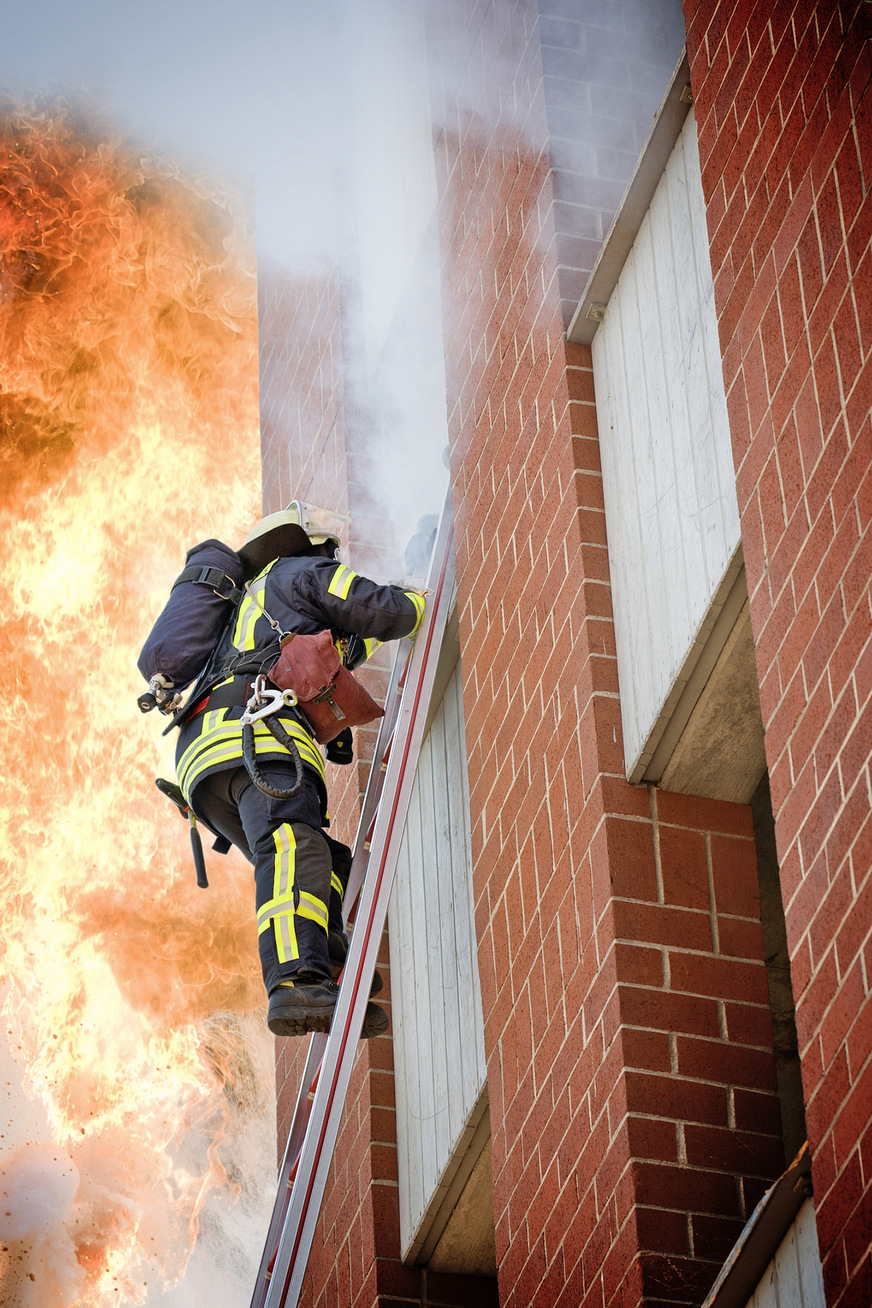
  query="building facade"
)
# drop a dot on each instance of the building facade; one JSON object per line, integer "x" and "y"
{"x": 615, "y": 257}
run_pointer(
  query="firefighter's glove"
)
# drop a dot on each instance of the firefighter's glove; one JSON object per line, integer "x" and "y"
{"x": 341, "y": 748}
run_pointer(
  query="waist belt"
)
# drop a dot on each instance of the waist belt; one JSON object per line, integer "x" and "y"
{"x": 235, "y": 694}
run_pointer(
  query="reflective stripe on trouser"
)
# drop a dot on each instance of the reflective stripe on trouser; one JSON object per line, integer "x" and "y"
{"x": 292, "y": 864}
{"x": 341, "y": 858}
{"x": 292, "y": 876}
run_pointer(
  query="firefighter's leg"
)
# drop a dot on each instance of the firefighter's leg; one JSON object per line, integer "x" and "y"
{"x": 337, "y": 940}
{"x": 293, "y": 861}
{"x": 292, "y": 867}
{"x": 292, "y": 878}
{"x": 214, "y": 803}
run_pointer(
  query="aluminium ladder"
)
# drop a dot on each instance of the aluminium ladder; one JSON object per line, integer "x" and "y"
{"x": 327, "y": 1073}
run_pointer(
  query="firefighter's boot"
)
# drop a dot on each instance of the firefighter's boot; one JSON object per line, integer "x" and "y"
{"x": 301, "y": 1005}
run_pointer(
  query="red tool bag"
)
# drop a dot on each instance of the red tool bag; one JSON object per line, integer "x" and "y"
{"x": 327, "y": 694}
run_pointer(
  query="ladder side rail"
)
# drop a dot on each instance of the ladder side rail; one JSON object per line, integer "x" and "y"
{"x": 303, "y": 1210}
{"x": 296, "y": 1135}
{"x": 375, "y": 782}
{"x": 318, "y": 1042}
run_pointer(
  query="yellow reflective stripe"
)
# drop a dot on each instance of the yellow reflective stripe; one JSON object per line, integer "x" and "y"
{"x": 371, "y": 647}
{"x": 286, "y": 937}
{"x": 274, "y": 908}
{"x": 249, "y": 612}
{"x": 314, "y": 909}
{"x": 343, "y": 579}
{"x": 221, "y": 742}
{"x": 284, "y": 867}
{"x": 337, "y": 885}
{"x": 218, "y": 732}
{"x": 418, "y": 601}
{"x": 285, "y": 861}
{"x": 309, "y": 906}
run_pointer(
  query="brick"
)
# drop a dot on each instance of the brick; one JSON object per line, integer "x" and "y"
{"x": 742, "y": 1152}
{"x": 670, "y": 1096}
{"x": 757, "y": 1112}
{"x": 737, "y": 978}
{"x": 660, "y": 1010}
{"x": 852, "y": 1120}
{"x": 673, "y": 1280}
{"x": 834, "y": 1209}
{"x": 676, "y": 1187}
{"x": 740, "y": 938}
{"x": 652, "y": 1138}
{"x": 823, "y": 1095}
{"x": 830, "y": 908}
{"x": 662, "y": 1231}
{"x": 724, "y": 1063}
{"x": 631, "y": 859}
{"x": 714, "y": 1237}
{"x": 684, "y": 867}
{"x": 855, "y": 928}
{"x": 749, "y": 1024}
{"x": 704, "y": 814}
{"x": 659, "y": 924}
{"x": 646, "y": 1050}
{"x": 638, "y": 966}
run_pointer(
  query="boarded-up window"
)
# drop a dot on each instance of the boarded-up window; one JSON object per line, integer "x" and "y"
{"x": 668, "y": 480}
{"x": 436, "y": 1000}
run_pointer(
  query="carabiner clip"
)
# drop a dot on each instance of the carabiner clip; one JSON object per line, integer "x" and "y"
{"x": 265, "y": 701}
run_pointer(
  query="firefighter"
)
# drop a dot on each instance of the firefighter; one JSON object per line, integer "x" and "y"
{"x": 296, "y": 582}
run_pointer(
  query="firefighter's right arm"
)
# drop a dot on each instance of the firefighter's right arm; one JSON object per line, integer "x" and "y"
{"x": 352, "y": 603}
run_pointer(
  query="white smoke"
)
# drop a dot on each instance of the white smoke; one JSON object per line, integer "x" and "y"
{"x": 38, "y": 1187}
{"x": 38, "y": 1184}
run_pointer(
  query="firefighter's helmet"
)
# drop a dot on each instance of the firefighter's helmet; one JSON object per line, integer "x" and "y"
{"x": 291, "y": 531}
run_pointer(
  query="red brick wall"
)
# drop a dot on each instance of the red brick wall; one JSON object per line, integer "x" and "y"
{"x": 782, "y": 95}
{"x": 606, "y": 70}
{"x": 629, "y": 1045}
{"x": 301, "y": 390}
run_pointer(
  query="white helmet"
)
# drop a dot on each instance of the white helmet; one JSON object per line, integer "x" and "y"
{"x": 319, "y": 525}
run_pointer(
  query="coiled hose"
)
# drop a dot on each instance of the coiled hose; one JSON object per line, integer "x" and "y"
{"x": 249, "y": 758}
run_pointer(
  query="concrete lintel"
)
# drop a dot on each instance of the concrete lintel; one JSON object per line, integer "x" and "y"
{"x": 665, "y": 131}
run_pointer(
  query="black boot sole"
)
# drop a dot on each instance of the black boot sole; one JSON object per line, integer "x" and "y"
{"x": 288, "y": 1026}
{"x": 375, "y": 1022}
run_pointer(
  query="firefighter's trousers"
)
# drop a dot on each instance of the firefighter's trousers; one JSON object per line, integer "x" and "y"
{"x": 299, "y": 873}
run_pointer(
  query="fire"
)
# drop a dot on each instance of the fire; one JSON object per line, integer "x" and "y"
{"x": 128, "y": 414}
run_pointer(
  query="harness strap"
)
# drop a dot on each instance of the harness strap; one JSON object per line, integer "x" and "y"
{"x": 215, "y": 578}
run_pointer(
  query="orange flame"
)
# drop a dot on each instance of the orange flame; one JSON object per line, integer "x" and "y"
{"x": 128, "y": 417}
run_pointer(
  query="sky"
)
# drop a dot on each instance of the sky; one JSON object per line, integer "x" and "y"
{"x": 246, "y": 89}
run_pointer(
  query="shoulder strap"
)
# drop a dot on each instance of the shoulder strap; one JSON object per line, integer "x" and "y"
{"x": 215, "y": 578}
{"x": 284, "y": 636}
